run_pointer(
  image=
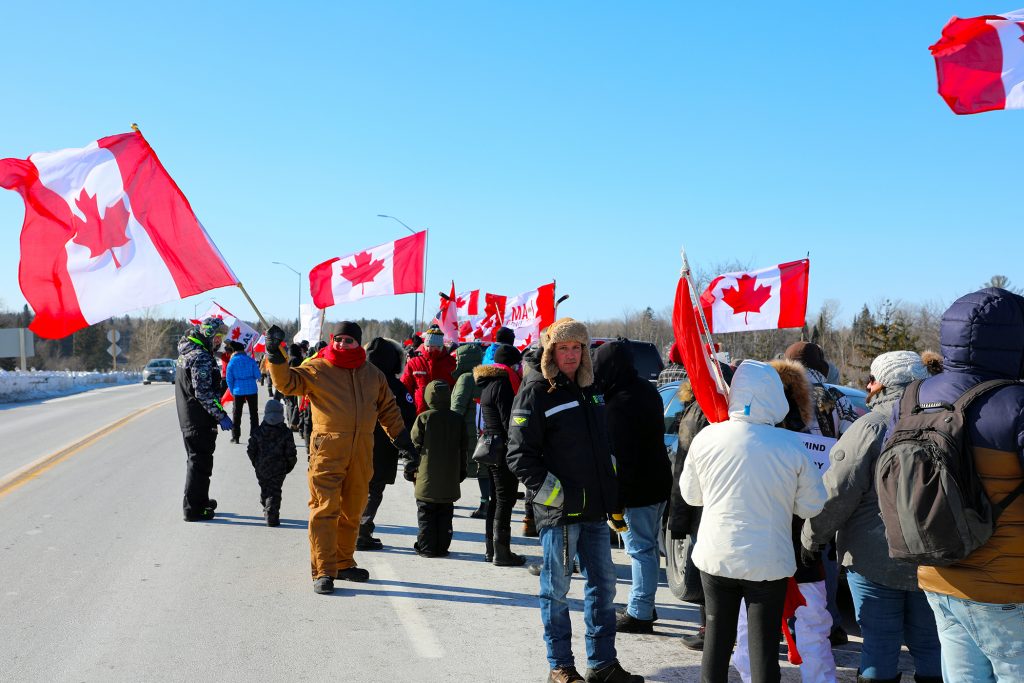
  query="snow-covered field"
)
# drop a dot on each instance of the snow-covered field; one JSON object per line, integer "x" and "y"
{"x": 32, "y": 385}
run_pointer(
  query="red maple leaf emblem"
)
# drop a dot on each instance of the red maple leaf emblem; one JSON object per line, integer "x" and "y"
{"x": 745, "y": 297}
{"x": 363, "y": 270}
{"x": 100, "y": 234}
{"x": 236, "y": 333}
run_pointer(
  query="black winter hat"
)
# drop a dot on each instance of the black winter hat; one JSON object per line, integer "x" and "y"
{"x": 350, "y": 329}
{"x": 808, "y": 353}
{"x": 507, "y": 355}
{"x": 505, "y": 336}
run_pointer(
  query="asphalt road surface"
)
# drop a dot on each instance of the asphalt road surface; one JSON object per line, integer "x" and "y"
{"x": 101, "y": 580}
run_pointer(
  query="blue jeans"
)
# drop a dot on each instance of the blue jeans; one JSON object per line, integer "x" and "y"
{"x": 642, "y": 547}
{"x": 589, "y": 542}
{"x": 889, "y": 617}
{"x": 981, "y": 642}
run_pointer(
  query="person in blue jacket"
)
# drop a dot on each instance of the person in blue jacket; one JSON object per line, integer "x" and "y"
{"x": 243, "y": 377}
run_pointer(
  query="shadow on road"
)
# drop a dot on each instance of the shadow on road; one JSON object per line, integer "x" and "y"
{"x": 467, "y": 594}
{"x": 230, "y": 518}
{"x": 469, "y": 536}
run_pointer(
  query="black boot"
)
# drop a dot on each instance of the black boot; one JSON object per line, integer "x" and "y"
{"x": 366, "y": 541}
{"x": 272, "y": 511}
{"x": 503, "y": 555}
{"x": 918, "y": 678}
{"x": 480, "y": 512}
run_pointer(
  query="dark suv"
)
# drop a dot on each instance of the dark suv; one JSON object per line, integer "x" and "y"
{"x": 646, "y": 357}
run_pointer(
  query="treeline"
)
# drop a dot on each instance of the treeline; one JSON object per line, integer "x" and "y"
{"x": 885, "y": 326}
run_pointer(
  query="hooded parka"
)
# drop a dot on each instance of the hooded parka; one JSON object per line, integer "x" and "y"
{"x": 466, "y": 393}
{"x": 636, "y": 428}
{"x": 439, "y": 435}
{"x": 982, "y": 337}
{"x": 751, "y": 478}
{"x": 434, "y": 362}
{"x": 386, "y": 355}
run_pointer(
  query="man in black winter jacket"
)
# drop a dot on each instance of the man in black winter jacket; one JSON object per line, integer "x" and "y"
{"x": 636, "y": 427}
{"x": 558, "y": 448}
{"x": 197, "y": 388}
{"x": 387, "y": 356}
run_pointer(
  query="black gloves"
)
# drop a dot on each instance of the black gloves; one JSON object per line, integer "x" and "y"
{"x": 410, "y": 470}
{"x": 809, "y": 558}
{"x": 275, "y": 337}
{"x": 404, "y": 445}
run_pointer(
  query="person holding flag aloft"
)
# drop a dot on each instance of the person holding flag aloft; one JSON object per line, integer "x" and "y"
{"x": 348, "y": 396}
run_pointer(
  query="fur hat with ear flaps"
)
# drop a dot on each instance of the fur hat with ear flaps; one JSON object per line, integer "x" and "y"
{"x": 567, "y": 330}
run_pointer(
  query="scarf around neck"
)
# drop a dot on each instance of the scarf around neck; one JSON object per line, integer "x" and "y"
{"x": 513, "y": 377}
{"x": 350, "y": 359}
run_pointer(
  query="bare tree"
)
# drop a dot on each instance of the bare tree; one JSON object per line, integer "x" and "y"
{"x": 149, "y": 338}
{"x": 1002, "y": 282}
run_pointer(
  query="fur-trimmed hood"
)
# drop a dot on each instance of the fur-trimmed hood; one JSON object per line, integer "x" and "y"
{"x": 387, "y": 355}
{"x": 566, "y": 330}
{"x": 489, "y": 372}
{"x": 798, "y": 389}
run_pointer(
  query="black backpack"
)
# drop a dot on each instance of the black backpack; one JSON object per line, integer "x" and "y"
{"x": 932, "y": 501}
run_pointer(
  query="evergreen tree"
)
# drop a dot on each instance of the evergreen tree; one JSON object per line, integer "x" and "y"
{"x": 890, "y": 332}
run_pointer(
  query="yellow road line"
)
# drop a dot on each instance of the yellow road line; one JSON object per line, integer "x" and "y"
{"x": 32, "y": 470}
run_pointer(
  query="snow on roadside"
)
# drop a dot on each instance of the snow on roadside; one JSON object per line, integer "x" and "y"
{"x": 20, "y": 386}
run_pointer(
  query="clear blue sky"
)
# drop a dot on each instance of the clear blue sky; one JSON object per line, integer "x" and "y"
{"x": 583, "y": 141}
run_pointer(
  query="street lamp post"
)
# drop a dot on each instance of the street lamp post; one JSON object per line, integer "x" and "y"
{"x": 278, "y": 263}
{"x": 415, "y": 296}
{"x": 195, "y": 307}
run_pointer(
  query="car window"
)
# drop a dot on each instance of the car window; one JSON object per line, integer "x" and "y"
{"x": 162, "y": 363}
{"x": 674, "y": 407}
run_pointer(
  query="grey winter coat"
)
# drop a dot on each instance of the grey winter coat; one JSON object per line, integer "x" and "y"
{"x": 852, "y": 506}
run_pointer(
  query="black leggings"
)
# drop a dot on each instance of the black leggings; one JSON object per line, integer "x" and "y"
{"x": 236, "y": 414}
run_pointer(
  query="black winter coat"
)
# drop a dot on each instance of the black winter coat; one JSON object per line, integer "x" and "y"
{"x": 386, "y": 355}
{"x": 683, "y": 518}
{"x": 558, "y": 448}
{"x": 636, "y": 428}
{"x": 496, "y": 398}
{"x": 271, "y": 451}
{"x": 197, "y": 387}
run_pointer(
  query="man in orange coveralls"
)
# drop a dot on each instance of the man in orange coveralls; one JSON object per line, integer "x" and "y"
{"x": 348, "y": 397}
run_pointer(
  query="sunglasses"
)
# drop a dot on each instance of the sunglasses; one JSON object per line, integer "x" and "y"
{"x": 344, "y": 339}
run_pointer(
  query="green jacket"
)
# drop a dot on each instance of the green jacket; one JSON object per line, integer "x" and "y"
{"x": 440, "y": 437}
{"x": 466, "y": 394}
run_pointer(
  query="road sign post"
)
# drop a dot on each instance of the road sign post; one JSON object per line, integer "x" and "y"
{"x": 113, "y": 336}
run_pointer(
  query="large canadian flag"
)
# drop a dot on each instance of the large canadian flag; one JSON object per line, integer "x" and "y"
{"x": 391, "y": 268}
{"x": 447, "y": 318}
{"x": 529, "y": 313}
{"x": 766, "y": 299}
{"x": 980, "y": 63}
{"x": 106, "y": 231}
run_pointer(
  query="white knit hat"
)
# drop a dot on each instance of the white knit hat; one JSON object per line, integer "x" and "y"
{"x": 898, "y": 368}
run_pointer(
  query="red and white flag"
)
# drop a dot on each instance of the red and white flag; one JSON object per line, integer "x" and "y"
{"x": 106, "y": 231}
{"x": 238, "y": 330}
{"x": 698, "y": 357}
{"x": 766, "y": 299}
{"x": 392, "y": 268}
{"x": 448, "y": 317}
{"x": 494, "y": 314}
{"x": 529, "y": 313}
{"x": 469, "y": 303}
{"x": 980, "y": 63}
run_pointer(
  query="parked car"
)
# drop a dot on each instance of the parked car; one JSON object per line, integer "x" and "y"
{"x": 646, "y": 357}
{"x": 159, "y": 370}
{"x": 675, "y": 549}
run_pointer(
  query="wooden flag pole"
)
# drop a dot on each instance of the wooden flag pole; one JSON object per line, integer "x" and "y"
{"x": 266, "y": 325}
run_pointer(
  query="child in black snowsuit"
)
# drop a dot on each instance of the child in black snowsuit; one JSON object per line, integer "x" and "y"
{"x": 439, "y": 435}
{"x": 272, "y": 453}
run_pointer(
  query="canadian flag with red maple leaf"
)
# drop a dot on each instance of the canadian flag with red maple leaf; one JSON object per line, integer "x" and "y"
{"x": 106, "y": 231}
{"x": 391, "y": 268}
{"x": 238, "y": 330}
{"x": 766, "y": 299}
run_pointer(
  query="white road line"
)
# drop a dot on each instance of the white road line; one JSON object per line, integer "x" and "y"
{"x": 420, "y": 633}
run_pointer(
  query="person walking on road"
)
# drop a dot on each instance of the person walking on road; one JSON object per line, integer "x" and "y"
{"x": 499, "y": 383}
{"x": 439, "y": 435}
{"x": 243, "y": 376}
{"x": 751, "y": 478}
{"x": 196, "y": 394}
{"x": 387, "y": 355}
{"x": 271, "y": 450}
{"x": 348, "y": 397}
{"x": 636, "y": 428}
{"x": 558, "y": 447}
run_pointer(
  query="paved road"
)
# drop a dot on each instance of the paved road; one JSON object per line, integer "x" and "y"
{"x": 103, "y": 581}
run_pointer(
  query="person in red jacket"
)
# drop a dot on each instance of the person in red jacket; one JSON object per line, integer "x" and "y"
{"x": 433, "y": 363}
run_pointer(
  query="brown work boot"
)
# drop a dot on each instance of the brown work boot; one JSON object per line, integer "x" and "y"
{"x": 529, "y": 528}
{"x": 565, "y": 674}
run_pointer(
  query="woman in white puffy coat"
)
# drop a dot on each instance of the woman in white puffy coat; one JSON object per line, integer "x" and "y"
{"x": 751, "y": 478}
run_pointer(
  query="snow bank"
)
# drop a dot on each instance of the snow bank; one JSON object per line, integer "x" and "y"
{"x": 32, "y": 385}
